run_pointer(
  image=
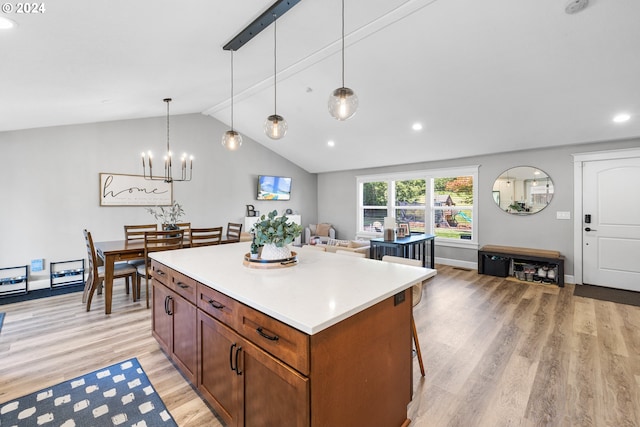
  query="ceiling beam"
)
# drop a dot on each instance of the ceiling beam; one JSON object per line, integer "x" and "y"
{"x": 276, "y": 10}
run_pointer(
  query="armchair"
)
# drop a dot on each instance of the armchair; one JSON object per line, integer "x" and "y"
{"x": 322, "y": 231}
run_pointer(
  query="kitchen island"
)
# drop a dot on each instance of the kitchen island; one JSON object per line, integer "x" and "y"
{"x": 326, "y": 342}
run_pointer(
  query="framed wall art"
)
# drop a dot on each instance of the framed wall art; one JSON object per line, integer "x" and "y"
{"x": 133, "y": 190}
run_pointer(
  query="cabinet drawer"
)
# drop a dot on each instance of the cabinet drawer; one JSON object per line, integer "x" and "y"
{"x": 161, "y": 273}
{"x": 184, "y": 286}
{"x": 218, "y": 305}
{"x": 282, "y": 341}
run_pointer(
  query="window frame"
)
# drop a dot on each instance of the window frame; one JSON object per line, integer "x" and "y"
{"x": 428, "y": 175}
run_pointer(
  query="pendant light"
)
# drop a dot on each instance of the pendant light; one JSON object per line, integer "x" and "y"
{"x": 343, "y": 101}
{"x": 231, "y": 139}
{"x": 185, "y": 173}
{"x": 275, "y": 126}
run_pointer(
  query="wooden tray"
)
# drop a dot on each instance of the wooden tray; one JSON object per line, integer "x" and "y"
{"x": 270, "y": 263}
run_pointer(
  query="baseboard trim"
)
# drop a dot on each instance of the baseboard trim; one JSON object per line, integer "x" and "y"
{"x": 457, "y": 263}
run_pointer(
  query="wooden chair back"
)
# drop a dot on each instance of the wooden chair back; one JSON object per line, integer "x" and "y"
{"x": 205, "y": 236}
{"x": 93, "y": 261}
{"x": 96, "y": 272}
{"x": 136, "y": 232}
{"x": 233, "y": 231}
{"x": 184, "y": 226}
{"x": 155, "y": 241}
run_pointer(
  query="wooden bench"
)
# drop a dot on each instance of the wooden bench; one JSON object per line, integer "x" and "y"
{"x": 533, "y": 256}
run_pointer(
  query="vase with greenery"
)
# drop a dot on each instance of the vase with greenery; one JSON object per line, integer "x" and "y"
{"x": 169, "y": 216}
{"x": 274, "y": 235}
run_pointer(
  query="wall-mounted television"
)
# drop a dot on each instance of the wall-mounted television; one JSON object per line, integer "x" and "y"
{"x": 274, "y": 187}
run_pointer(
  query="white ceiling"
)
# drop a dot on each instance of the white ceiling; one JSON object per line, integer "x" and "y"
{"x": 481, "y": 76}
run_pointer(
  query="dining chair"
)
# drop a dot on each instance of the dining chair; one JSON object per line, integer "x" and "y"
{"x": 135, "y": 233}
{"x": 184, "y": 226}
{"x": 205, "y": 236}
{"x": 96, "y": 273}
{"x": 416, "y": 291}
{"x": 156, "y": 241}
{"x": 233, "y": 231}
{"x": 350, "y": 253}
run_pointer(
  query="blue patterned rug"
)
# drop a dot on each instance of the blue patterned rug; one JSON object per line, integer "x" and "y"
{"x": 118, "y": 395}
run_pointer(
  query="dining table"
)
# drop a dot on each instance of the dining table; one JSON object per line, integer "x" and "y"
{"x": 114, "y": 251}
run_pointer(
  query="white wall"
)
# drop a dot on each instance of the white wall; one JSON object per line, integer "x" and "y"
{"x": 49, "y": 182}
{"x": 337, "y": 200}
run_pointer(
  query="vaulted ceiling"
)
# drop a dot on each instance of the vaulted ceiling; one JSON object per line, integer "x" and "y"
{"x": 480, "y": 76}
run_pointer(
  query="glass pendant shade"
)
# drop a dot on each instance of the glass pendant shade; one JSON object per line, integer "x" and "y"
{"x": 231, "y": 140}
{"x": 275, "y": 126}
{"x": 343, "y": 103}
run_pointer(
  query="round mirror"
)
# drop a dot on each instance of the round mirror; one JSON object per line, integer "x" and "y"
{"x": 523, "y": 190}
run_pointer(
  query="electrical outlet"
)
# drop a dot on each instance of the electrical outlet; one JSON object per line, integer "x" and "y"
{"x": 37, "y": 265}
{"x": 563, "y": 215}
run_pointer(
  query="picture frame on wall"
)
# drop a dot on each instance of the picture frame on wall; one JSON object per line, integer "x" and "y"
{"x": 133, "y": 190}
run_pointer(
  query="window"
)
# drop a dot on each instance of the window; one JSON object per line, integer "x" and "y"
{"x": 439, "y": 202}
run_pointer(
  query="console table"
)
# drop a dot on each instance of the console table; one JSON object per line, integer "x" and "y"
{"x": 413, "y": 247}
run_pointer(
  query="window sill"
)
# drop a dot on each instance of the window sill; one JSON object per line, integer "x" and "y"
{"x": 465, "y": 244}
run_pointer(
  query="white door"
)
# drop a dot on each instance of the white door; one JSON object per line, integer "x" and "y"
{"x": 611, "y": 223}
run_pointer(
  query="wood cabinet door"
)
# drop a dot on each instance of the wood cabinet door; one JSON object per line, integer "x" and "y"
{"x": 161, "y": 320}
{"x": 274, "y": 394}
{"x": 218, "y": 381}
{"x": 185, "y": 352}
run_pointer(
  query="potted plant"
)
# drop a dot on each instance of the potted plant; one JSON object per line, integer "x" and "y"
{"x": 274, "y": 234}
{"x": 169, "y": 216}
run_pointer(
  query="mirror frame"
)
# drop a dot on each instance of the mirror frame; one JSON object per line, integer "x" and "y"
{"x": 516, "y": 191}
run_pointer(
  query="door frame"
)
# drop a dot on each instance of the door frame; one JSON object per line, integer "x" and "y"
{"x": 579, "y": 159}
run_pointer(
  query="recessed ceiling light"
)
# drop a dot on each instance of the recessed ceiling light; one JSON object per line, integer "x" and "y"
{"x": 417, "y": 126}
{"x": 621, "y": 118}
{"x": 331, "y": 143}
{"x": 6, "y": 23}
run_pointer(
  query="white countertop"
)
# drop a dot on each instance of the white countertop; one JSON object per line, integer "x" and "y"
{"x": 323, "y": 289}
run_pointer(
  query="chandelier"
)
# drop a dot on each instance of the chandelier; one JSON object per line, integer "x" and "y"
{"x": 186, "y": 162}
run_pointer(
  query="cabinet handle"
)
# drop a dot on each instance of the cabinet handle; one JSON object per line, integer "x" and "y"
{"x": 182, "y": 285}
{"x": 166, "y": 304}
{"x": 160, "y": 273}
{"x": 215, "y": 304}
{"x": 238, "y": 350}
{"x": 269, "y": 337}
{"x": 231, "y": 357}
{"x": 169, "y": 305}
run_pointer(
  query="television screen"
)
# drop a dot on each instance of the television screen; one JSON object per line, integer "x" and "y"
{"x": 274, "y": 187}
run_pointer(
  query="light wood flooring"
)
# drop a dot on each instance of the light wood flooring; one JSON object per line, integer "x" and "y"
{"x": 497, "y": 353}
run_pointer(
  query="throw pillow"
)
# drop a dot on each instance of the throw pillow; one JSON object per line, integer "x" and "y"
{"x": 312, "y": 229}
{"x": 323, "y": 229}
